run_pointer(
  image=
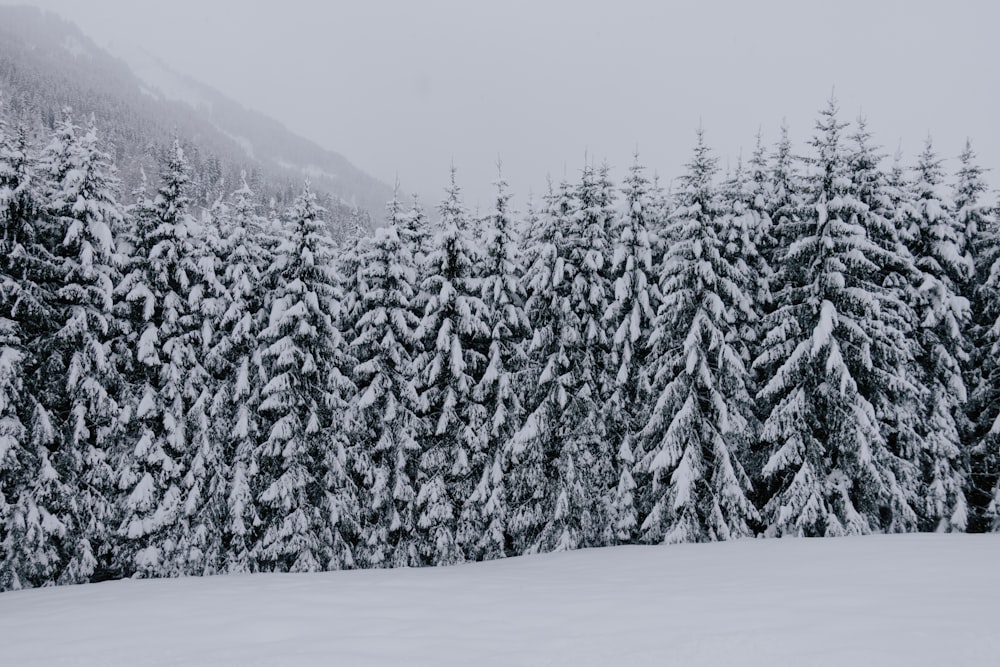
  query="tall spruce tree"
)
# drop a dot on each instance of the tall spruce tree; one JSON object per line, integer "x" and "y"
{"x": 591, "y": 237}
{"x": 383, "y": 413}
{"x": 484, "y": 521}
{"x": 34, "y": 494}
{"x": 891, "y": 384}
{"x": 308, "y": 504}
{"x": 827, "y": 470}
{"x": 538, "y": 449}
{"x": 985, "y": 480}
{"x": 236, "y": 364}
{"x": 629, "y": 320}
{"x": 13, "y": 432}
{"x": 454, "y": 331}
{"x": 81, "y": 209}
{"x": 940, "y": 250}
{"x": 701, "y": 416}
{"x": 164, "y": 377}
{"x": 982, "y": 374}
{"x": 564, "y": 430}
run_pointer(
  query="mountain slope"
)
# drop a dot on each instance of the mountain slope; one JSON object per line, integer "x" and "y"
{"x": 885, "y": 600}
{"x": 47, "y": 63}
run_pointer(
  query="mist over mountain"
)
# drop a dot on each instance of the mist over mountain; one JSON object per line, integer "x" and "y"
{"x": 48, "y": 64}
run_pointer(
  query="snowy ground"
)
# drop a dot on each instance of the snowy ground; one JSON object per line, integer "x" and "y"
{"x": 900, "y": 600}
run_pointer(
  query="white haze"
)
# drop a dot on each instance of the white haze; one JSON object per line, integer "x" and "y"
{"x": 406, "y": 88}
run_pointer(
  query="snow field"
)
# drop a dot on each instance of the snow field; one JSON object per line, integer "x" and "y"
{"x": 887, "y": 600}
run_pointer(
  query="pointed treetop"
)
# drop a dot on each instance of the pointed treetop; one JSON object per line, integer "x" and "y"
{"x": 929, "y": 165}
{"x": 696, "y": 182}
{"x": 452, "y": 209}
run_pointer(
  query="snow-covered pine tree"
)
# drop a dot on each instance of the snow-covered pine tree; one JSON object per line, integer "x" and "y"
{"x": 701, "y": 416}
{"x": 13, "y": 433}
{"x": 454, "y": 331}
{"x": 629, "y": 321}
{"x": 982, "y": 374}
{"x": 592, "y": 236}
{"x": 33, "y": 496}
{"x": 206, "y": 480}
{"x": 162, "y": 328}
{"x": 939, "y": 248}
{"x": 382, "y": 418}
{"x": 985, "y": 481}
{"x": 483, "y": 524}
{"x": 81, "y": 209}
{"x": 237, "y": 367}
{"x": 308, "y": 504}
{"x": 547, "y": 382}
{"x": 827, "y": 472}
{"x": 891, "y": 383}
{"x": 565, "y": 430}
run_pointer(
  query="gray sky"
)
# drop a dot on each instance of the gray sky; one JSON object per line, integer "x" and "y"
{"x": 406, "y": 87}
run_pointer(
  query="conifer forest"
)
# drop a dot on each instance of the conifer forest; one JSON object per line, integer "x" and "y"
{"x": 804, "y": 344}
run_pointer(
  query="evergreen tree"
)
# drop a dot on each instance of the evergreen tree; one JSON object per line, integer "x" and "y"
{"x": 237, "y": 366}
{"x": 162, "y": 328}
{"x": 629, "y": 320}
{"x": 591, "y": 236}
{"x": 453, "y": 330}
{"x": 891, "y": 383}
{"x": 205, "y": 479}
{"x": 36, "y": 498}
{"x": 564, "y": 430}
{"x": 940, "y": 250}
{"x": 701, "y": 418}
{"x": 383, "y": 419}
{"x": 982, "y": 374}
{"x": 308, "y": 504}
{"x": 13, "y": 433}
{"x": 985, "y": 481}
{"x": 827, "y": 469}
{"x": 485, "y": 517}
{"x": 536, "y": 449}
{"x": 81, "y": 209}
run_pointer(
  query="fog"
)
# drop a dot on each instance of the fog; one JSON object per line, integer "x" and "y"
{"x": 406, "y": 88}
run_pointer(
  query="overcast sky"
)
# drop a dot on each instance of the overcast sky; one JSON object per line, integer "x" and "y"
{"x": 408, "y": 86}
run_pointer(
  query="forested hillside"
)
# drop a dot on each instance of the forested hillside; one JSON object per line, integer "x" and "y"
{"x": 47, "y": 65}
{"x": 804, "y": 346}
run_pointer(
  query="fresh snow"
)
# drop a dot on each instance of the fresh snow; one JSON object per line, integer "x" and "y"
{"x": 887, "y": 600}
